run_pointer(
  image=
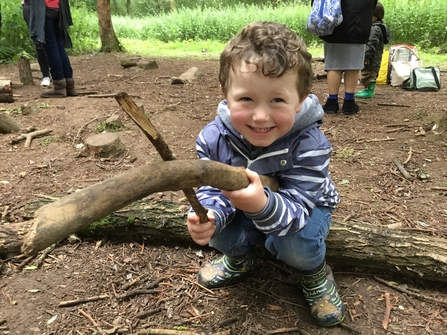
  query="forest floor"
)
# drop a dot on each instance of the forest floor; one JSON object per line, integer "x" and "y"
{"x": 396, "y": 124}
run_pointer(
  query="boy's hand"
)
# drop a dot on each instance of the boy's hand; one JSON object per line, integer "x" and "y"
{"x": 251, "y": 199}
{"x": 201, "y": 233}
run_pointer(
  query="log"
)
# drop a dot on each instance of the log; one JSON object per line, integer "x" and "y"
{"x": 6, "y": 90}
{"x": 349, "y": 244}
{"x": 185, "y": 77}
{"x": 25, "y": 74}
{"x": 8, "y": 124}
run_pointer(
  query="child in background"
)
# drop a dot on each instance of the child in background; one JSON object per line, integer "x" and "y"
{"x": 269, "y": 123}
{"x": 379, "y": 35}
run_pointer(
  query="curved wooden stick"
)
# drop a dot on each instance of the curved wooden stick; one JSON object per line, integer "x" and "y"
{"x": 55, "y": 221}
{"x": 145, "y": 124}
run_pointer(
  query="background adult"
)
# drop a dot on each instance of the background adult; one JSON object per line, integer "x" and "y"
{"x": 344, "y": 53}
{"x": 49, "y": 22}
{"x": 40, "y": 54}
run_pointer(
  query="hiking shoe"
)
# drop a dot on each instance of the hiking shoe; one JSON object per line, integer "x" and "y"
{"x": 321, "y": 294}
{"x": 331, "y": 106}
{"x": 45, "y": 82}
{"x": 350, "y": 107}
{"x": 220, "y": 271}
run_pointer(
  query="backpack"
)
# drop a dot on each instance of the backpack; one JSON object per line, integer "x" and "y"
{"x": 324, "y": 16}
{"x": 423, "y": 79}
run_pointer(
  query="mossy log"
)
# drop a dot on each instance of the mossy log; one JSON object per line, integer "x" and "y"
{"x": 131, "y": 212}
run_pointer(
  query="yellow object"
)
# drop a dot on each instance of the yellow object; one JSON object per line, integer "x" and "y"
{"x": 383, "y": 72}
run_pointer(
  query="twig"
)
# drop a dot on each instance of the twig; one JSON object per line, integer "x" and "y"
{"x": 392, "y": 105}
{"x": 28, "y": 137}
{"x": 408, "y": 158}
{"x": 381, "y": 139}
{"x": 414, "y": 294}
{"x": 201, "y": 286}
{"x": 285, "y": 330}
{"x": 150, "y": 312}
{"x": 165, "y": 332}
{"x": 44, "y": 254}
{"x": 109, "y": 95}
{"x": 386, "y": 318}
{"x": 438, "y": 188}
{"x": 82, "y": 127}
{"x": 133, "y": 293}
{"x": 68, "y": 303}
{"x": 88, "y": 317}
{"x": 394, "y": 130}
{"x": 402, "y": 170}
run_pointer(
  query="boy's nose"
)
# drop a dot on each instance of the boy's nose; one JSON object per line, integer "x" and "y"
{"x": 260, "y": 114}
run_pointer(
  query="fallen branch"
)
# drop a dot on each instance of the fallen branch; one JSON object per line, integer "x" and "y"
{"x": 133, "y": 293}
{"x": 438, "y": 188}
{"x": 412, "y": 293}
{"x": 68, "y": 303}
{"x": 145, "y": 314}
{"x": 408, "y": 158}
{"x": 392, "y": 105}
{"x": 381, "y": 139}
{"x": 386, "y": 318}
{"x": 109, "y": 95}
{"x": 165, "y": 332}
{"x": 402, "y": 170}
{"x": 28, "y": 137}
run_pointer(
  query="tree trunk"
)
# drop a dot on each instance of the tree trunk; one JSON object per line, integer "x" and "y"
{"x": 6, "y": 90}
{"x": 109, "y": 41}
{"x": 25, "y": 74}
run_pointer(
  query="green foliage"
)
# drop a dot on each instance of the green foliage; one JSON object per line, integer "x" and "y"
{"x": 418, "y": 22}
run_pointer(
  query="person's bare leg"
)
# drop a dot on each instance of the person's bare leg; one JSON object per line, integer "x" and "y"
{"x": 351, "y": 80}
{"x": 334, "y": 81}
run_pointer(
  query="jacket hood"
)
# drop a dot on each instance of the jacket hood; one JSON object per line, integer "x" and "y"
{"x": 311, "y": 112}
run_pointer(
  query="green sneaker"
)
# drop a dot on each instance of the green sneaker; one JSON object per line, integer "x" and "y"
{"x": 220, "y": 271}
{"x": 322, "y": 296}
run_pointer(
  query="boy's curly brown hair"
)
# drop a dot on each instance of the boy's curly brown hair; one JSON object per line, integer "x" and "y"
{"x": 273, "y": 48}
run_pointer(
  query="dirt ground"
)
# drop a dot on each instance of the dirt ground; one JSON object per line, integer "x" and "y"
{"x": 396, "y": 124}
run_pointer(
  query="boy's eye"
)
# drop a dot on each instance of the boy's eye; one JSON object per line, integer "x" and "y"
{"x": 246, "y": 99}
{"x": 278, "y": 100}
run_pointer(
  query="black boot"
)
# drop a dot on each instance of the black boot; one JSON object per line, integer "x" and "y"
{"x": 322, "y": 296}
{"x": 71, "y": 92}
{"x": 222, "y": 270}
{"x": 331, "y": 106}
{"x": 59, "y": 90}
{"x": 350, "y": 107}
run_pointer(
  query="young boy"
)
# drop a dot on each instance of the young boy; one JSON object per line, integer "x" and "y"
{"x": 269, "y": 123}
{"x": 379, "y": 35}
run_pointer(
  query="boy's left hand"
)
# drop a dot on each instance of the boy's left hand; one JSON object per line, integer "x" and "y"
{"x": 252, "y": 198}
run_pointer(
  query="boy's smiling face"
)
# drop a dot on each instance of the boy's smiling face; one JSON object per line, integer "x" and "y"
{"x": 262, "y": 108}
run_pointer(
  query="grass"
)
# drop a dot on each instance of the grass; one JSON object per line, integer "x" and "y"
{"x": 212, "y": 50}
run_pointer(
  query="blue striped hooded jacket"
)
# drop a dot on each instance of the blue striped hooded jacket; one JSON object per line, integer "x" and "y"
{"x": 299, "y": 159}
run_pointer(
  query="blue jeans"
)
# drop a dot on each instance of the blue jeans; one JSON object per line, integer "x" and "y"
{"x": 57, "y": 57}
{"x": 304, "y": 250}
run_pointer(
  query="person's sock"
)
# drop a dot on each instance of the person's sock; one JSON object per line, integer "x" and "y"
{"x": 349, "y": 96}
{"x": 333, "y": 96}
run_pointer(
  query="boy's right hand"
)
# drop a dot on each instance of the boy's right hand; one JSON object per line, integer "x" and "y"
{"x": 201, "y": 233}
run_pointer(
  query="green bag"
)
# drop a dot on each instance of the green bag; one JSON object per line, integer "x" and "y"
{"x": 423, "y": 79}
